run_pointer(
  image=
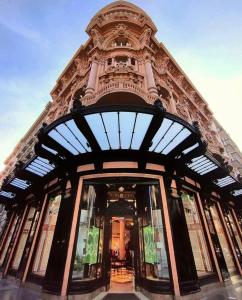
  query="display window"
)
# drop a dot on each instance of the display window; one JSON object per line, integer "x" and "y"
{"x": 228, "y": 256}
{"x": 46, "y": 236}
{"x": 8, "y": 240}
{"x": 23, "y": 239}
{"x": 196, "y": 234}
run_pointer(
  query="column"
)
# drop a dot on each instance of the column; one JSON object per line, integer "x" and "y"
{"x": 168, "y": 229}
{"x": 92, "y": 78}
{"x": 150, "y": 78}
{"x": 121, "y": 239}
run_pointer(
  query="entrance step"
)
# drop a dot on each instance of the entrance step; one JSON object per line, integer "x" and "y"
{"x": 122, "y": 296}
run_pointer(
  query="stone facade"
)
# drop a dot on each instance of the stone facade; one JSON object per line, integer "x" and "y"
{"x": 123, "y": 55}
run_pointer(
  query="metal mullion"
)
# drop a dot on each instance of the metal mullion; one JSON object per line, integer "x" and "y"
{"x": 173, "y": 140}
{"x": 119, "y": 130}
{"x": 76, "y": 137}
{"x": 163, "y": 134}
{"x": 133, "y": 131}
{"x": 66, "y": 141}
{"x": 105, "y": 130}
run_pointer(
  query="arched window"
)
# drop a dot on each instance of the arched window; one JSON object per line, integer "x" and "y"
{"x": 121, "y": 42}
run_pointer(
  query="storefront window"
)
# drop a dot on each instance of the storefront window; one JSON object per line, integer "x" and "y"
{"x": 88, "y": 257}
{"x": 47, "y": 233}
{"x": 152, "y": 240}
{"x": 196, "y": 234}
{"x": 222, "y": 239}
{"x": 234, "y": 234}
{"x": 23, "y": 239}
{"x": 5, "y": 248}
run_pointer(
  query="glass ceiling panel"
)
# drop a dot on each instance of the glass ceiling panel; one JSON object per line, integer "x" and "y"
{"x": 190, "y": 148}
{"x": 237, "y": 192}
{"x": 96, "y": 124}
{"x": 40, "y": 166}
{"x": 81, "y": 138}
{"x": 55, "y": 135}
{"x": 127, "y": 122}
{"x": 176, "y": 141}
{"x": 49, "y": 149}
{"x": 165, "y": 125}
{"x": 7, "y": 194}
{"x": 22, "y": 184}
{"x": 224, "y": 181}
{"x": 141, "y": 126}
{"x": 202, "y": 165}
{"x": 111, "y": 124}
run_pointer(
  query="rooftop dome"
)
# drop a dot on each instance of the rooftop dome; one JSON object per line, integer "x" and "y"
{"x": 121, "y": 11}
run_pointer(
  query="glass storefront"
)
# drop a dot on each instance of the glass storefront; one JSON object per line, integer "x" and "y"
{"x": 7, "y": 242}
{"x": 88, "y": 258}
{"x": 228, "y": 256}
{"x": 23, "y": 239}
{"x": 152, "y": 237}
{"x": 120, "y": 233}
{"x": 46, "y": 236}
{"x": 196, "y": 234}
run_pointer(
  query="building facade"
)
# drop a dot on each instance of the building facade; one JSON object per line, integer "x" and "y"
{"x": 124, "y": 178}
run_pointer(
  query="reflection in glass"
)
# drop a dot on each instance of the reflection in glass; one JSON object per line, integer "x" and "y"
{"x": 196, "y": 234}
{"x": 222, "y": 239}
{"x": 3, "y": 254}
{"x": 47, "y": 233}
{"x": 152, "y": 241}
{"x": 87, "y": 263}
{"x": 23, "y": 239}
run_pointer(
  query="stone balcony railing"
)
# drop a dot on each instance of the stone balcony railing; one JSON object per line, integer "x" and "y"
{"x": 119, "y": 87}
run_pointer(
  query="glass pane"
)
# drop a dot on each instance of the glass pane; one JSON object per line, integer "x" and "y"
{"x": 81, "y": 138}
{"x": 47, "y": 233}
{"x": 110, "y": 120}
{"x": 196, "y": 234}
{"x": 127, "y": 120}
{"x": 95, "y": 123}
{"x": 23, "y": 239}
{"x": 223, "y": 241}
{"x": 141, "y": 127}
{"x": 87, "y": 263}
{"x": 165, "y": 125}
{"x": 5, "y": 248}
{"x": 55, "y": 135}
{"x": 153, "y": 249}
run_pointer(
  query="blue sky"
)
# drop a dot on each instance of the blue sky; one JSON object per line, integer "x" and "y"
{"x": 38, "y": 38}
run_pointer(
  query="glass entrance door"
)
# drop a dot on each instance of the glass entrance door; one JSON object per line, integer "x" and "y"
{"x": 121, "y": 241}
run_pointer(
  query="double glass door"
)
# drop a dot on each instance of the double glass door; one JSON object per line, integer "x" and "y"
{"x": 121, "y": 239}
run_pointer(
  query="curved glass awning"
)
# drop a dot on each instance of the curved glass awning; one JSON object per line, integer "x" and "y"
{"x": 149, "y": 130}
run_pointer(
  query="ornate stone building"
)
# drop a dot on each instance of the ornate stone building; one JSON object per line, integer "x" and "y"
{"x": 124, "y": 177}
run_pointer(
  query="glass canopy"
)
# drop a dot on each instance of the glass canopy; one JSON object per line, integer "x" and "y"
{"x": 20, "y": 183}
{"x": 202, "y": 165}
{"x": 7, "y": 194}
{"x": 40, "y": 166}
{"x": 222, "y": 182}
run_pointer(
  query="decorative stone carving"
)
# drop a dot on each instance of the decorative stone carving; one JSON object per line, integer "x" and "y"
{"x": 146, "y": 37}
{"x": 96, "y": 37}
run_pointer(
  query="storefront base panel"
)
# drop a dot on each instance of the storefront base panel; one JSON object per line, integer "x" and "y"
{"x": 153, "y": 296}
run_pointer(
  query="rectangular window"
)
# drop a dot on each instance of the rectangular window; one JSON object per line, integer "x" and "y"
{"x": 23, "y": 239}
{"x": 87, "y": 263}
{"x": 5, "y": 247}
{"x": 152, "y": 236}
{"x": 222, "y": 239}
{"x": 196, "y": 234}
{"x": 46, "y": 238}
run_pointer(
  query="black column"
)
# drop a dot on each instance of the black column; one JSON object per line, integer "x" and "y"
{"x": 186, "y": 268}
{"x": 58, "y": 254}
